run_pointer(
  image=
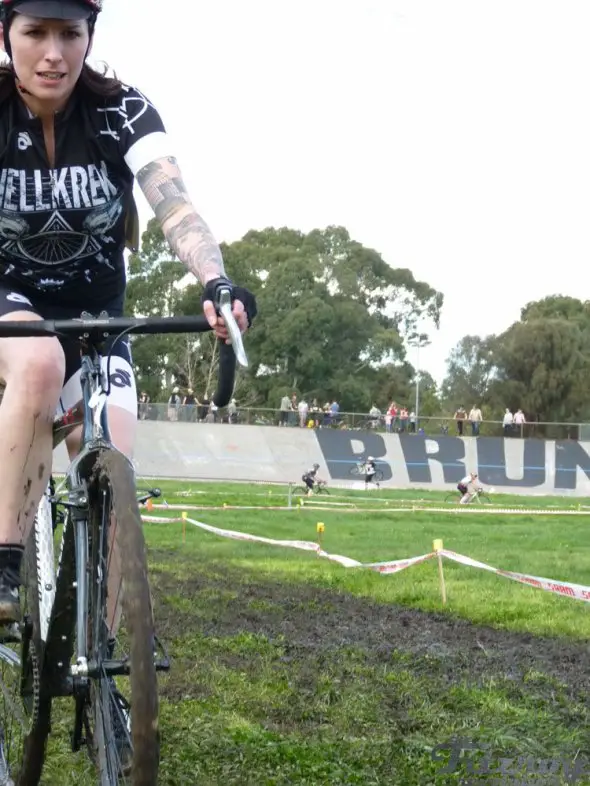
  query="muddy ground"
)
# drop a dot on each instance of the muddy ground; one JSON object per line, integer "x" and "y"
{"x": 313, "y": 623}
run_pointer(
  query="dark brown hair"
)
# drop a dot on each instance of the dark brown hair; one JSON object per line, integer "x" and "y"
{"x": 91, "y": 82}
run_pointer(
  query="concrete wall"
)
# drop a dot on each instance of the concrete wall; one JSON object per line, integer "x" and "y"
{"x": 208, "y": 451}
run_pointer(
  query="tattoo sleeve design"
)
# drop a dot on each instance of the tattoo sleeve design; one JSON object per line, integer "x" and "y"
{"x": 185, "y": 230}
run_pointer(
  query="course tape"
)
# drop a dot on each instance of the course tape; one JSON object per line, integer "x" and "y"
{"x": 563, "y": 588}
{"x": 345, "y": 508}
{"x": 370, "y": 499}
{"x": 455, "y": 509}
{"x": 577, "y": 591}
{"x": 393, "y": 566}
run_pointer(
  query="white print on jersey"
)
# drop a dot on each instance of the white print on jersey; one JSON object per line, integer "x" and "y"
{"x": 57, "y": 242}
{"x": 24, "y": 140}
{"x": 16, "y": 297}
{"x": 25, "y": 191}
{"x": 132, "y": 107}
{"x": 58, "y": 193}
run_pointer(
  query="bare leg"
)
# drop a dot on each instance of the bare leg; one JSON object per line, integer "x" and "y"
{"x": 33, "y": 370}
{"x": 123, "y": 427}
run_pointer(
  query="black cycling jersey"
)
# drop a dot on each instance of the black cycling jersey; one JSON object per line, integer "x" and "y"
{"x": 63, "y": 228}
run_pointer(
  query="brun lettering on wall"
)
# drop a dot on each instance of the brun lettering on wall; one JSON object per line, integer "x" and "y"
{"x": 528, "y": 464}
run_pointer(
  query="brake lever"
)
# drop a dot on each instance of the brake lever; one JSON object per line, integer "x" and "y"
{"x": 232, "y": 326}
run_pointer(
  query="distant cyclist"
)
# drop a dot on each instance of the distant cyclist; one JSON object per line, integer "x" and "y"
{"x": 310, "y": 478}
{"x": 370, "y": 472}
{"x": 468, "y": 487}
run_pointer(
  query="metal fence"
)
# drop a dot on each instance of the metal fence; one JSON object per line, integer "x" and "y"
{"x": 359, "y": 421}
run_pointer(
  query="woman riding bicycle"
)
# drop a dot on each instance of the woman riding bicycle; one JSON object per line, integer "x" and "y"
{"x": 72, "y": 141}
{"x": 467, "y": 488}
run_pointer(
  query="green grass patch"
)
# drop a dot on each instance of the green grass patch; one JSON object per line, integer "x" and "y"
{"x": 289, "y": 669}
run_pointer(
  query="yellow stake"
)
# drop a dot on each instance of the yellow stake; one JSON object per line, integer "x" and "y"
{"x": 320, "y": 530}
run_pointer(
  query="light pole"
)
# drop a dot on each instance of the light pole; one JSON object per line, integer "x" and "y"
{"x": 417, "y": 409}
{"x": 417, "y": 341}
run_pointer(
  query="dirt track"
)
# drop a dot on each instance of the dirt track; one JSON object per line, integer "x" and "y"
{"x": 312, "y": 623}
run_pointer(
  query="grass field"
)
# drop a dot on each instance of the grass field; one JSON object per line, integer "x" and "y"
{"x": 289, "y": 669}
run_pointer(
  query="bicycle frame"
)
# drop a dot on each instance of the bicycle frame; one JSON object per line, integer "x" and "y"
{"x": 475, "y": 495}
{"x": 64, "y": 594}
{"x": 53, "y": 586}
{"x": 95, "y": 437}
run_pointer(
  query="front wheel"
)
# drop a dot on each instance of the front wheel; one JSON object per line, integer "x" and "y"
{"x": 124, "y": 733}
{"x": 453, "y": 498}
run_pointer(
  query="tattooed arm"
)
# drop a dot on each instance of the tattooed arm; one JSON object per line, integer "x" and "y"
{"x": 188, "y": 234}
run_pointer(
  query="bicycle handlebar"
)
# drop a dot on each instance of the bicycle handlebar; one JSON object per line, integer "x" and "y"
{"x": 95, "y": 329}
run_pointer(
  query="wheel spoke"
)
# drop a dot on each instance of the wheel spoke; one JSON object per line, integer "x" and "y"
{"x": 116, "y": 722}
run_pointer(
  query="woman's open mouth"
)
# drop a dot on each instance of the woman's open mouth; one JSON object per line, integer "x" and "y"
{"x": 52, "y": 76}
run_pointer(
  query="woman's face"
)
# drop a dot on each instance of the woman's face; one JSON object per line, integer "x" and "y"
{"x": 48, "y": 55}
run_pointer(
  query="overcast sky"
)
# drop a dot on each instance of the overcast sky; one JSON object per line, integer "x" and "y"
{"x": 453, "y": 137}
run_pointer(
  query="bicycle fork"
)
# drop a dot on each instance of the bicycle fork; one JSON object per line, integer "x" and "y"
{"x": 79, "y": 669}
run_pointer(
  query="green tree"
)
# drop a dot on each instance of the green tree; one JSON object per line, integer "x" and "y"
{"x": 430, "y": 403}
{"x": 557, "y": 307}
{"x": 333, "y": 315}
{"x": 332, "y": 319}
{"x": 470, "y": 368}
{"x": 158, "y": 285}
{"x": 540, "y": 365}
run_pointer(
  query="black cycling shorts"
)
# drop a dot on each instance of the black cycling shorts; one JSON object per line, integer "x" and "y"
{"x": 14, "y": 299}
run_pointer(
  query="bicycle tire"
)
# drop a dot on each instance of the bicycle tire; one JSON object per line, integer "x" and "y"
{"x": 484, "y": 499}
{"x": 378, "y": 476}
{"x": 322, "y": 489}
{"x": 115, "y": 482}
{"x": 36, "y": 700}
{"x": 452, "y": 498}
{"x": 299, "y": 491}
{"x": 355, "y": 470}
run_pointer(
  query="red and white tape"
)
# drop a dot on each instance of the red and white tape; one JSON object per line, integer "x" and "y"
{"x": 577, "y": 591}
{"x": 564, "y": 588}
{"x": 393, "y": 566}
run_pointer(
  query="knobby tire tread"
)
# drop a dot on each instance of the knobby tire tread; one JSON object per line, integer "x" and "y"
{"x": 35, "y": 742}
{"x": 115, "y": 469}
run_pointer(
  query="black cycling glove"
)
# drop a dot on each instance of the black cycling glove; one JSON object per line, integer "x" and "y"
{"x": 212, "y": 289}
